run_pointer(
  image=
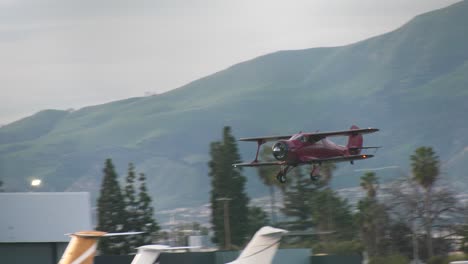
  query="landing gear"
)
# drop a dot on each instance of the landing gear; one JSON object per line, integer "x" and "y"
{"x": 314, "y": 178}
{"x": 281, "y": 176}
{"x": 315, "y": 173}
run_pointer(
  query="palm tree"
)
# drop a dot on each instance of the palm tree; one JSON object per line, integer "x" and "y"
{"x": 370, "y": 183}
{"x": 425, "y": 168}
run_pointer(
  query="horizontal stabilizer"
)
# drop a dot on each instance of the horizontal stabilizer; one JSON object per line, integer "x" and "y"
{"x": 162, "y": 248}
{"x": 96, "y": 234}
{"x": 313, "y": 160}
{"x": 367, "y": 148}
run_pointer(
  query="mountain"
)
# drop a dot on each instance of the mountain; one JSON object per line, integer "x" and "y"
{"x": 411, "y": 83}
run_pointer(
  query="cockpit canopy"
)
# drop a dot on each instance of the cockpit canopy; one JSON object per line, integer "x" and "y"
{"x": 300, "y": 137}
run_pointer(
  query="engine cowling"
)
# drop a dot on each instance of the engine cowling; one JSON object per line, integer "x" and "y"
{"x": 280, "y": 150}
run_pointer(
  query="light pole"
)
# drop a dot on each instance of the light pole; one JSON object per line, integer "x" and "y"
{"x": 227, "y": 228}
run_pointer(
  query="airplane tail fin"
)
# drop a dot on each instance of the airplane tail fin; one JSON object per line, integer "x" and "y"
{"x": 149, "y": 254}
{"x": 262, "y": 247}
{"x": 355, "y": 142}
{"x": 83, "y": 245}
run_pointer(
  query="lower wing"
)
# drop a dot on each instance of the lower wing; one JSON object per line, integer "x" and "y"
{"x": 258, "y": 164}
{"x": 305, "y": 160}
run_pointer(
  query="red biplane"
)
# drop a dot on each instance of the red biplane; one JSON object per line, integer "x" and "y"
{"x": 311, "y": 148}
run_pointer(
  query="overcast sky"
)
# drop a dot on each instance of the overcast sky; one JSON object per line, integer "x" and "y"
{"x": 60, "y": 54}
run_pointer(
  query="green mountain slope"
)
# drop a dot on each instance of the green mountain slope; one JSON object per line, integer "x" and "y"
{"x": 412, "y": 83}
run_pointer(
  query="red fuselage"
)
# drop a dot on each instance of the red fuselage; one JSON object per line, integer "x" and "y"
{"x": 301, "y": 149}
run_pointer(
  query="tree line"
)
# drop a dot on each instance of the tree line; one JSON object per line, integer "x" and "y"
{"x": 416, "y": 217}
{"x": 127, "y": 209}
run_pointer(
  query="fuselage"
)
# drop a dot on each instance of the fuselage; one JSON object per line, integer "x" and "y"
{"x": 301, "y": 148}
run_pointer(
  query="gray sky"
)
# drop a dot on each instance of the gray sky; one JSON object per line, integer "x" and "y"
{"x": 60, "y": 54}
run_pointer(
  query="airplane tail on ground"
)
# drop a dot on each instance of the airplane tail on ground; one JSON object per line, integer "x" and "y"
{"x": 83, "y": 245}
{"x": 149, "y": 254}
{"x": 262, "y": 247}
{"x": 355, "y": 142}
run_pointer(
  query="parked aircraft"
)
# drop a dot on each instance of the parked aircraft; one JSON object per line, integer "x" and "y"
{"x": 83, "y": 245}
{"x": 82, "y": 248}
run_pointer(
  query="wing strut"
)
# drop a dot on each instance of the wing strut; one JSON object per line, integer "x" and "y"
{"x": 260, "y": 142}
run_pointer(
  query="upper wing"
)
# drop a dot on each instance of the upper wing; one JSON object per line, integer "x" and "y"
{"x": 317, "y": 135}
{"x": 337, "y": 159}
{"x": 265, "y": 139}
{"x": 258, "y": 164}
{"x": 342, "y": 132}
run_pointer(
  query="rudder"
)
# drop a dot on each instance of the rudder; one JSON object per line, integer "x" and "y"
{"x": 355, "y": 142}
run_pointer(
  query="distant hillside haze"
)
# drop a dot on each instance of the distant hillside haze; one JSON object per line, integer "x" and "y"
{"x": 411, "y": 83}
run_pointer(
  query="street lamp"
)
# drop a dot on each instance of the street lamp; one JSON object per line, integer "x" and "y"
{"x": 36, "y": 183}
{"x": 227, "y": 229}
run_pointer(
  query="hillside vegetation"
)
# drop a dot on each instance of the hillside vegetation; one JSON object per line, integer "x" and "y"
{"x": 411, "y": 83}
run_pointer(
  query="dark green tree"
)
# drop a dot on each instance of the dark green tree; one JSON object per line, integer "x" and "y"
{"x": 330, "y": 212}
{"x": 227, "y": 182}
{"x": 131, "y": 204}
{"x": 138, "y": 212}
{"x": 145, "y": 214}
{"x": 297, "y": 201}
{"x": 257, "y": 218}
{"x": 425, "y": 168}
{"x": 111, "y": 212}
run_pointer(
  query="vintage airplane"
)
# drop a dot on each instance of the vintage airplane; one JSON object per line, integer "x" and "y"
{"x": 311, "y": 148}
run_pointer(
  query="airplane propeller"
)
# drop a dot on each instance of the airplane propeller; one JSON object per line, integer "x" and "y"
{"x": 280, "y": 150}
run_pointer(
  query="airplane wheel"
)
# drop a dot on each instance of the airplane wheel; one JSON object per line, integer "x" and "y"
{"x": 281, "y": 177}
{"x": 314, "y": 178}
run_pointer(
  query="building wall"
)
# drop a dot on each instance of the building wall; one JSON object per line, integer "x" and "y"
{"x": 290, "y": 256}
{"x": 28, "y": 253}
{"x": 33, "y": 225}
{"x": 43, "y": 217}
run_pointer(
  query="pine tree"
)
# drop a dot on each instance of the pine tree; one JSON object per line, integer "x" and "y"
{"x": 257, "y": 219}
{"x": 297, "y": 201}
{"x": 227, "y": 182}
{"x": 332, "y": 213}
{"x": 145, "y": 221}
{"x": 111, "y": 212}
{"x": 131, "y": 208}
